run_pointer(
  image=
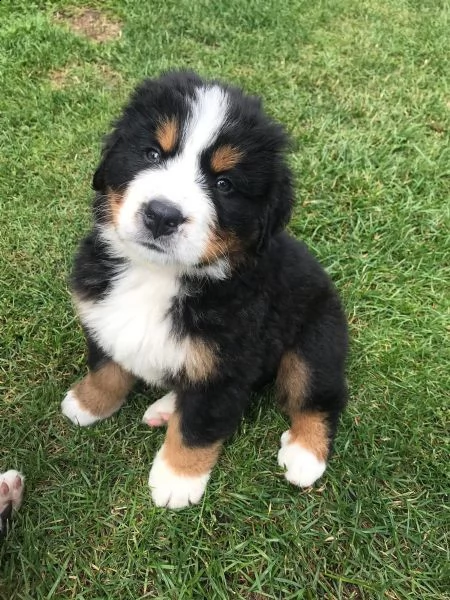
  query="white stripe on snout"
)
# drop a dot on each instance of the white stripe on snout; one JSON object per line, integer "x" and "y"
{"x": 209, "y": 113}
{"x": 181, "y": 182}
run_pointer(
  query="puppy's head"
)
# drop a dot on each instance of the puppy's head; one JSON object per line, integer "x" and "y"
{"x": 192, "y": 175}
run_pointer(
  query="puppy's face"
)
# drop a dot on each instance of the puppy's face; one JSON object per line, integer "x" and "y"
{"x": 192, "y": 175}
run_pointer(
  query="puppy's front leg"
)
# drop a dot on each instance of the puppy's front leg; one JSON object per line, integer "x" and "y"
{"x": 195, "y": 434}
{"x": 180, "y": 472}
{"x": 101, "y": 393}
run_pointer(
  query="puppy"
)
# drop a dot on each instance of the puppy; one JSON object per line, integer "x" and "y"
{"x": 189, "y": 282}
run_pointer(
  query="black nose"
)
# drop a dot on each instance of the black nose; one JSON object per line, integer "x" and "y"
{"x": 161, "y": 217}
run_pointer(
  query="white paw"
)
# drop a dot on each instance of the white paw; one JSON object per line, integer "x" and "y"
{"x": 172, "y": 490}
{"x": 303, "y": 467}
{"x": 11, "y": 489}
{"x": 72, "y": 409}
{"x": 158, "y": 413}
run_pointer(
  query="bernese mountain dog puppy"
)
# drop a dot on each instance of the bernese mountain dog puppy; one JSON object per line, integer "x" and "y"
{"x": 189, "y": 282}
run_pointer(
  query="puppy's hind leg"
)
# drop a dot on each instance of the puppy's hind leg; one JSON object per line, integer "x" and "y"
{"x": 313, "y": 401}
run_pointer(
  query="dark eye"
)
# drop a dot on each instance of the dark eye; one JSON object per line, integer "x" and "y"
{"x": 224, "y": 185}
{"x": 153, "y": 156}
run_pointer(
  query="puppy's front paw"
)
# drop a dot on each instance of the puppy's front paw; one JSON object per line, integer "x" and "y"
{"x": 11, "y": 489}
{"x": 158, "y": 413}
{"x": 171, "y": 489}
{"x": 303, "y": 467}
{"x": 73, "y": 410}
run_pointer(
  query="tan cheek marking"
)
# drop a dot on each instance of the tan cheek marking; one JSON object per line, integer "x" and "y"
{"x": 115, "y": 200}
{"x": 225, "y": 158}
{"x": 221, "y": 244}
{"x": 167, "y": 134}
{"x": 101, "y": 392}
{"x": 184, "y": 460}
{"x": 310, "y": 429}
{"x": 292, "y": 381}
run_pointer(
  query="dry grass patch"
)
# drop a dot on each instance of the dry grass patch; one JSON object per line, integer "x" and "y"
{"x": 90, "y": 23}
{"x": 75, "y": 74}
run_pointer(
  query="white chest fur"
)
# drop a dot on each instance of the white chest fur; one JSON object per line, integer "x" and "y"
{"x": 132, "y": 324}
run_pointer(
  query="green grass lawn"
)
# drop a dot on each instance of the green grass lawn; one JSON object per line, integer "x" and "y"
{"x": 363, "y": 88}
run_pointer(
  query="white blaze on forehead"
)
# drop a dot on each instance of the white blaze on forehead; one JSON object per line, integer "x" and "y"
{"x": 180, "y": 181}
{"x": 209, "y": 112}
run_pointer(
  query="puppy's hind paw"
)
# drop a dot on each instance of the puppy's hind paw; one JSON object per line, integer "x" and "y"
{"x": 302, "y": 466}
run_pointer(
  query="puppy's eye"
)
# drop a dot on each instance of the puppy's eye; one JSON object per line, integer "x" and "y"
{"x": 153, "y": 156}
{"x": 224, "y": 185}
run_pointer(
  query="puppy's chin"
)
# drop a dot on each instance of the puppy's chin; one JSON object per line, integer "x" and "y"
{"x": 130, "y": 247}
{"x": 148, "y": 252}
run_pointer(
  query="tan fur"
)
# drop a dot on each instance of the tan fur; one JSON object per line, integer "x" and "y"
{"x": 222, "y": 244}
{"x": 292, "y": 381}
{"x": 225, "y": 158}
{"x": 310, "y": 429}
{"x": 184, "y": 460}
{"x": 115, "y": 200}
{"x": 201, "y": 361}
{"x": 103, "y": 391}
{"x": 167, "y": 134}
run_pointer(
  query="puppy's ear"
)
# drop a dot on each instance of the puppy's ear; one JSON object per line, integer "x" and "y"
{"x": 279, "y": 208}
{"x": 99, "y": 178}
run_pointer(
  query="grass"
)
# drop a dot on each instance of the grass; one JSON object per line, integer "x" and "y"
{"x": 363, "y": 89}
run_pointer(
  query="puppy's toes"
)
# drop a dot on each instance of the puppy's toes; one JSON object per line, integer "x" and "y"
{"x": 171, "y": 490}
{"x": 158, "y": 413}
{"x": 72, "y": 409}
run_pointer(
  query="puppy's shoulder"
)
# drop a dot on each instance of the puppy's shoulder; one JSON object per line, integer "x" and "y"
{"x": 94, "y": 268}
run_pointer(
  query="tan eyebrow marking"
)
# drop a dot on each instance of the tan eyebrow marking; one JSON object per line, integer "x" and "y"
{"x": 225, "y": 158}
{"x": 167, "y": 134}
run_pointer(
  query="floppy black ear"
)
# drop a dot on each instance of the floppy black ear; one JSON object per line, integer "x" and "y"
{"x": 99, "y": 178}
{"x": 279, "y": 208}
